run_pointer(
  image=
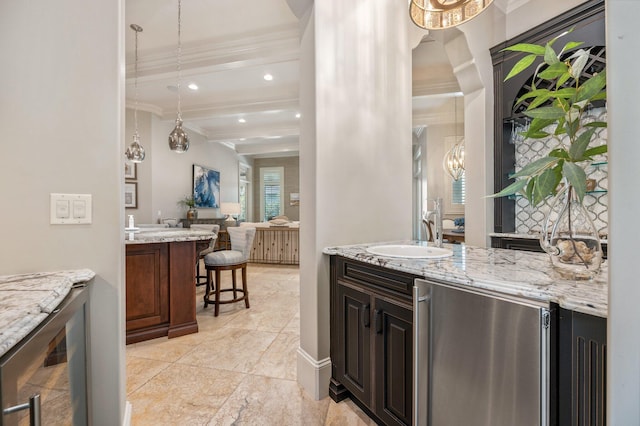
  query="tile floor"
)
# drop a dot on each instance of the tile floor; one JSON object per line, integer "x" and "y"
{"x": 239, "y": 369}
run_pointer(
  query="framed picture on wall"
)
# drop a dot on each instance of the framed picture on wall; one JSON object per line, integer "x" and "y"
{"x": 130, "y": 170}
{"x": 131, "y": 195}
{"x": 206, "y": 187}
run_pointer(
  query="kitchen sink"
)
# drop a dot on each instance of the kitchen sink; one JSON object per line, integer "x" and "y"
{"x": 409, "y": 251}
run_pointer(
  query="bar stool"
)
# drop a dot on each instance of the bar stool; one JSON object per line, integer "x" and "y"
{"x": 209, "y": 249}
{"x": 225, "y": 260}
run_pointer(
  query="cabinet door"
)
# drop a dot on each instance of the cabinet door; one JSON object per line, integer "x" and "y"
{"x": 147, "y": 285}
{"x": 394, "y": 362}
{"x": 353, "y": 338}
{"x": 582, "y": 361}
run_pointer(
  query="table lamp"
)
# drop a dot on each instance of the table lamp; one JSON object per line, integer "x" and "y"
{"x": 230, "y": 210}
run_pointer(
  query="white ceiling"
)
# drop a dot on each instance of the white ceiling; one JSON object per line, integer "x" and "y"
{"x": 227, "y": 47}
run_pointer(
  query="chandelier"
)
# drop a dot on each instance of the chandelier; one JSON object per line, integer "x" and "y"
{"x": 178, "y": 138}
{"x": 453, "y": 162}
{"x": 135, "y": 151}
{"x": 438, "y": 14}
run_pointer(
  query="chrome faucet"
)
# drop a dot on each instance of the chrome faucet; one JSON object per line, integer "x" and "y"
{"x": 436, "y": 213}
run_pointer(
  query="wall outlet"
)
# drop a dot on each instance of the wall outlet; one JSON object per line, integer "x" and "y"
{"x": 70, "y": 209}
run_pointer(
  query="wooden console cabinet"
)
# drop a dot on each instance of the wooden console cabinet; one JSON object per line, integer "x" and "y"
{"x": 161, "y": 293}
{"x": 372, "y": 339}
{"x": 276, "y": 245}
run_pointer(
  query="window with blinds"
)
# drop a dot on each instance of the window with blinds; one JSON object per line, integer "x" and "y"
{"x": 272, "y": 191}
{"x": 458, "y": 190}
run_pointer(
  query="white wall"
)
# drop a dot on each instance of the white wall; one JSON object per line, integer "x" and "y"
{"x": 355, "y": 151}
{"x": 61, "y": 113}
{"x": 166, "y": 177}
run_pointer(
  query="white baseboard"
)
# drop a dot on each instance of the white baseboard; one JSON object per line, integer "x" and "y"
{"x": 314, "y": 375}
{"x": 127, "y": 414}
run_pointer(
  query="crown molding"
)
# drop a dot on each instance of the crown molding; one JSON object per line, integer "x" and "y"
{"x": 264, "y": 47}
{"x": 154, "y": 109}
{"x": 266, "y": 131}
{"x": 239, "y": 107}
{"x": 429, "y": 87}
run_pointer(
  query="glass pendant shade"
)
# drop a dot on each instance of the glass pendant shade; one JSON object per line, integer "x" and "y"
{"x": 453, "y": 162}
{"x": 439, "y": 14}
{"x": 178, "y": 138}
{"x": 135, "y": 151}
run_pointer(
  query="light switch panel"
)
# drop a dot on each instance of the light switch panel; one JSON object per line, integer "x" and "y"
{"x": 70, "y": 209}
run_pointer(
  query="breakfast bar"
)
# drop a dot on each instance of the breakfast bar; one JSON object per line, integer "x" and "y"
{"x": 160, "y": 265}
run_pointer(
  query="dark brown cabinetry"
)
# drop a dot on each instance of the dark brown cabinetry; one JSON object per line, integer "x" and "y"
{"x": 372, "y": 339}
{"x": 582, "y": 366}
{"x": 160, "y": 290}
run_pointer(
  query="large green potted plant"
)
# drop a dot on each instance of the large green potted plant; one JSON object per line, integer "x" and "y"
{"x": 559, "y": 111}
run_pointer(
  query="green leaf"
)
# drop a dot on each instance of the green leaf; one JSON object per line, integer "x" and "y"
{"x": 520, "y": 66}
{"x": 511, "y": 189}
{"x": 592, "y": 87}
{"x": 540, "y": 100}
{"x": 576, "y": 177}
{"x": 532, "y": 94}
{"x": 596, "y": 150}
{"x": 550, "y": 55}
{"x": 550, "y": 112}
{"x": 571, "y": 45}
{"x": 571, "y": 127}
{"x": 527, "y": 48}
{"x": 529, "y": 190}
{"x": 562, "y": 80}
{"x": 554, "y": 71}
{"x": 559, "y": 153}
{"x": 600, "y": 96}
{"x": 538, "y": 124}
{"x": 534, "y": 168}
{"x": 596, "y": 124}
{"x": 579, "y": 146}
{"x": 547, "y": 183}
{"x": 564, "y": 93}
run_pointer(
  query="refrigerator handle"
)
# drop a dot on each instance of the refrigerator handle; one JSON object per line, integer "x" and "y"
{"x": 421, "y": 337}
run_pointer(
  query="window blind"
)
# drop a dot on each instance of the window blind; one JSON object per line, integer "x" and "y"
{"x": 458, "y": 188}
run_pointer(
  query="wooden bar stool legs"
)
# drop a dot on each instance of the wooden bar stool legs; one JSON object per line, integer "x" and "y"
{"x": 215, "y": 286}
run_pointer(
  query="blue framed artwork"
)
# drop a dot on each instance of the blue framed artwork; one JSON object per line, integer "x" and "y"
{"x": 206, "y": 187}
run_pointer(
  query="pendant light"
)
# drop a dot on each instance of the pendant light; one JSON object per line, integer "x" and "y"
{"x": 178, "y": 138}
{"x": 453, "y": 162}
{"x": 135, "y": 151}
{"x": 438, "y": 14}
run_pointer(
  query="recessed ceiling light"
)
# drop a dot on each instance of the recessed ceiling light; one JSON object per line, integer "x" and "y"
{"x": 268, "y": 77}
{"x": 298, "y": 115}
{"x": 193, "y": 86}
{"x": 242, "y": 120}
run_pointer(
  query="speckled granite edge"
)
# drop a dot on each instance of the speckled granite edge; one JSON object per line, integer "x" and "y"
{"x": 168, "y": 235}
{"x": 27, "y": 299}
{"x": 511, "y": 272}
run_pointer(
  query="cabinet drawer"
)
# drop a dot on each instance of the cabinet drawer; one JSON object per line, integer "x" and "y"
{"x": 374, "y": 276}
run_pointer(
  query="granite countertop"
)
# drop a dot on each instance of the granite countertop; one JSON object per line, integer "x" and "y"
{"x": 27, "y": 299}
{"x": 513, "y": 272}
{"x": 166, "y": 235}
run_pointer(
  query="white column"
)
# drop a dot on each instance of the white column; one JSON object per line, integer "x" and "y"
{"x": 355, "y": 153}
{"x": 623, "y": 333}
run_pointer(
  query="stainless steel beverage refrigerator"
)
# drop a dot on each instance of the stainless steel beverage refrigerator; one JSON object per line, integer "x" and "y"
{"x": 480, "y": 358}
